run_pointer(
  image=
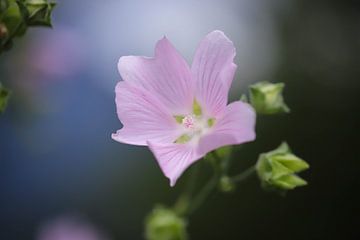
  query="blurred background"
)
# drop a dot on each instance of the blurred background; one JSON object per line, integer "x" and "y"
{"x": 61, "y": 173}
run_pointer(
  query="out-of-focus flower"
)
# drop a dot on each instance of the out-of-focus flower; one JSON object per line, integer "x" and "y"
{"x": 267, "y": 98}
{"x": 276, "y": 169}
{"x": 164, "y": 224}
{"x": 57, "y": 53}
{"x": 181, "y": 113}
{"x": 69, "y": 228}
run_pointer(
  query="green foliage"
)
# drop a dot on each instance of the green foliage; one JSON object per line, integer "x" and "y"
{"x": 4, "y": 96}
{"x": 277, "y": 169}
{"x": 17, "y": 15}
{"x": 165, "y": 224}
{"x": 267, "y": 98}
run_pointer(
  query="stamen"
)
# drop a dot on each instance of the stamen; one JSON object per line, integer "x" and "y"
{"x": 188, "y": 122}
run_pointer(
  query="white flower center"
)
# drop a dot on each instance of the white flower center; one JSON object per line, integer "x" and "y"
{"x": 194, "y": 127}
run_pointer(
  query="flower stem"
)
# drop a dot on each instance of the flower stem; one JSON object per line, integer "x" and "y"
{"x": 182, "y": 204}
{"x": 244, "y": 175}
{"x": 203, "y": 194}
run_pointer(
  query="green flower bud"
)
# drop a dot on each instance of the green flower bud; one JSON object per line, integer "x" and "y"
{"x": 267, "y": 98}
{"x": 4, "y": 96}
{"x": 277, "y": 169}
{"x": 39, "y": 12}
{"x": 226, "y": 185}
{"x": 165, "y": 224}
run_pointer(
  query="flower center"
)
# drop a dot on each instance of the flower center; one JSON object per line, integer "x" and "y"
{"x": 188, "y": 122}
{"x": 194, "y": 125}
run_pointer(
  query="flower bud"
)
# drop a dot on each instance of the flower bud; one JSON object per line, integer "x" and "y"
{"x": 267, "y": 98}
{"x": 226, "y": 185}
{"x": 165, "y": 224}
{"x": 277, "y": 169}
{"x": 39, "y": 12}
{"x": 3, "y": 31}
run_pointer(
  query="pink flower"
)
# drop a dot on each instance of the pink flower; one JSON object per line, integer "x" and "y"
{"x": 69, "y": 228}
{"x": 181, "y": 113}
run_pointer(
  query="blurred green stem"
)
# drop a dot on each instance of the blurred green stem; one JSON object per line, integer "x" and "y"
{"x": 203, "y": 194}
{"x": 187, "y": 203}
{"x": 182, "y": 204}
{"x": 244, "y": 175}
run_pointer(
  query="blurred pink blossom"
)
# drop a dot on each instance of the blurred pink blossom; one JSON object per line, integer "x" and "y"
{"x": 56, "y": 53}
{"x": 69, "y": 228}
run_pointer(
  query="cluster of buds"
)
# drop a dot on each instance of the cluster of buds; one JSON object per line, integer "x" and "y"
{"x": 277, "y": 169}
{"x": 17, "y": 15}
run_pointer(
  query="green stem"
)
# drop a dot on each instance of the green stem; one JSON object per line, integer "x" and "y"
{"x": 244, "y": 175}
{"x": 182, "y": 204}
{"x": 203, "y": 194}
{"x": 209, "y": 187}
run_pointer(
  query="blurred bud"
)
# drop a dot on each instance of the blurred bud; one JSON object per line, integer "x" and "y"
{"x": 276, "y": 169}
{"x": 244, "y": 98}
{"x": 39, "y": 12}
{"x": 4, "y": 96}
{"x": 267, "y": 98}
{"x": 3, "y": 31}
{"x": 165, "y": 224}
{"x": 226, "y": 185}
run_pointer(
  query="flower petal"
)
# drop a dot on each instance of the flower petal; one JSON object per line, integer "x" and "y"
{"x": 167, "y": 76}
{"x": 235, "y": 127}
{"x": 143, "y": 116}
{"x": 174, "y": 158}
{"x": 213, "y": 70}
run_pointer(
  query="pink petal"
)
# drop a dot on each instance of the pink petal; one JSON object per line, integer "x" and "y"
{"x": 213, "y": 70}
{"x": 235, "y": 127}
{"x": 174, "y": 158}
{"x": 143, "y": 116}
{"x": 167, "y": 76}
